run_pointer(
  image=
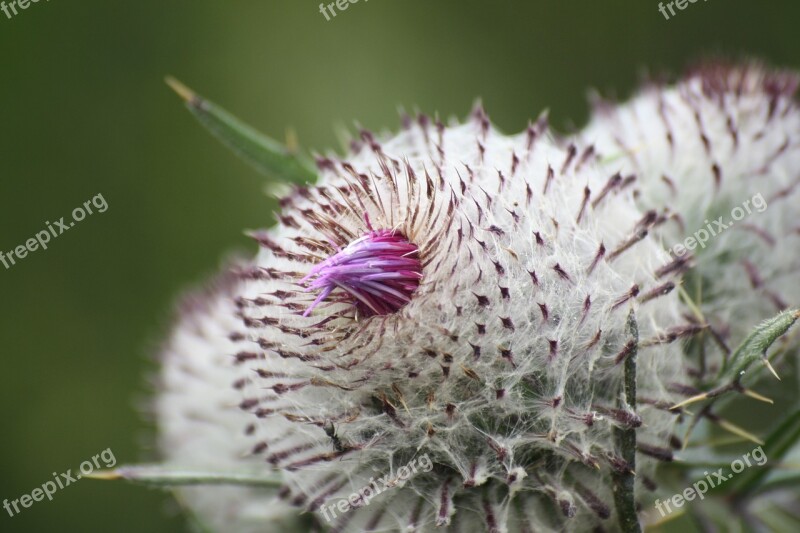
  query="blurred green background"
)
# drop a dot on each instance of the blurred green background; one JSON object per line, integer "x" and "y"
{"x": 84, "y": 110}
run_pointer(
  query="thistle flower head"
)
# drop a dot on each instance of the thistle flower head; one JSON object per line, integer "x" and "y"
{"x": 717, "y": 155}
{"x": 490, "y": 332}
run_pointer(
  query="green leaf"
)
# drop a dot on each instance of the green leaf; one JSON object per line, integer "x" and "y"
{"x": 277, "y": 162}
{"x": 755, "y": 347}
{"x": 783, "y": 482}
{"x": 166, "y": 476}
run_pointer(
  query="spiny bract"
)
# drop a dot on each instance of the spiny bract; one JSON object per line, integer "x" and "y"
{"x": 504, "y": 367}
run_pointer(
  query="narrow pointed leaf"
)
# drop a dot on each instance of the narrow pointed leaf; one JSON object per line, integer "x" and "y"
{"x": 165, "y": 476}
{"x": 277, "y": 162}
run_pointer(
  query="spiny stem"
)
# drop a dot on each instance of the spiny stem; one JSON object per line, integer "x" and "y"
{"x": 624, "y": 491}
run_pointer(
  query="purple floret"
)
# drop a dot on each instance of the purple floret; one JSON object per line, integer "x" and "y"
{"x": 381, "y": 271}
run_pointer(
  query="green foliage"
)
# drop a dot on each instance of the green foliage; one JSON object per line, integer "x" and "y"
{"x": 279, "y": 163}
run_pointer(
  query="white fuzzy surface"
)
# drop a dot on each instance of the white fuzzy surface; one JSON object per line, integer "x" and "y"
{"x": 201, "y": 427}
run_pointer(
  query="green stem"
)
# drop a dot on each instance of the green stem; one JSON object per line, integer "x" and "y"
{"x": 624, "y": 489}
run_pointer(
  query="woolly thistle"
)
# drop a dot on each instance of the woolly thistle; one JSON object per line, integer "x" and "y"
{"x": 503, "y": 364}
{"x": 461, "y": 330}
{"x": 718, "y": 155}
